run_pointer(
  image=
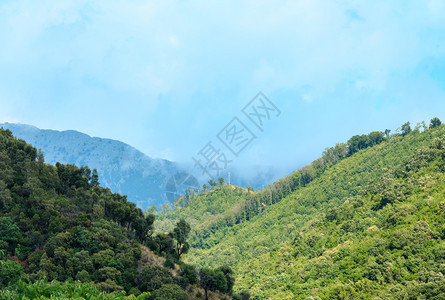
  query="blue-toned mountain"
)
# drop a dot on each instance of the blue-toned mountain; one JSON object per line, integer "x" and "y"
{"x": 122, "y": 168}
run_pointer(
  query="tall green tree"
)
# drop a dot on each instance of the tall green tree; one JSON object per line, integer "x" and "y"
{"x": 435, "y": 122}
{"x": 163, "y": 243}
{"x": 375, "y": 138}
{"x": 143, "y": 226}
{"x": 229, "y": 276}
{"x": 10, "y": 233}
{"x": 357, "y": 143}
{"x": 10, "y": 271}
{"x": 212, "y": 183}
{"x": 207, "y": 280}
{"x": 180, "y": 234}
{"x": 406, "y": 129}
{"x": 95, "y": 178}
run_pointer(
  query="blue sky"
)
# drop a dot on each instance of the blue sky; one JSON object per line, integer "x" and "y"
{"x": 167, "y": 76}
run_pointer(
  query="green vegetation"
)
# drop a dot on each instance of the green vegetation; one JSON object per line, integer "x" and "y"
{"x": 363, "y": 221}
{"x": 69, "y": 290}
{"x": 62, "y": 235}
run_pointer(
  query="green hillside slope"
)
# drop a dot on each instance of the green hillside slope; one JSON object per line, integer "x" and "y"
{"x": 63, "y": 236}
{"x": 367, "y": 225}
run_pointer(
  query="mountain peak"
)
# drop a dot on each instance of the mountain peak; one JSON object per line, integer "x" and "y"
{"x": 121, "y": 167}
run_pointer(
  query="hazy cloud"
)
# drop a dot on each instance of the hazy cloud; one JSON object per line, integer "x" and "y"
{"x": 165, "y": 76}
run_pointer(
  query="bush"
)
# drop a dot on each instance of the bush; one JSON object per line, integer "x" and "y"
{"x": 189, "y": 272}
{"x": 153, "y": 277}
{"x": 242, "y": 296}
{"x": 10, "y": 272}
{"x": 170, "y": 292}
{"x": 169, "y": 262}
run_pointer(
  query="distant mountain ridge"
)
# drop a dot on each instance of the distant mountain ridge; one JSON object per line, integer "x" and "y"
{"x": 122, "y": 168}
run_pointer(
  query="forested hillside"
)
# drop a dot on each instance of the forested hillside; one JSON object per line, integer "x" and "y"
{"x": 64, "y": 236}
{"x": 364, "y": 221}
{"x": 122, "y": 168}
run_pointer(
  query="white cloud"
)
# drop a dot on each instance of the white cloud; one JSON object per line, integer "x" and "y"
{"x": 119, "y": 63}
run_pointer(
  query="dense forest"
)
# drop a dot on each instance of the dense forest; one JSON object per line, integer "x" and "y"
{"x": 364, "y": 221}
{"x": 64, "y": 236}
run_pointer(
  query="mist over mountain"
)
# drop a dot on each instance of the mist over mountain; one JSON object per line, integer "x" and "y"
{"x": 122, "y": 168}
{"x": 363, "y": 221}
